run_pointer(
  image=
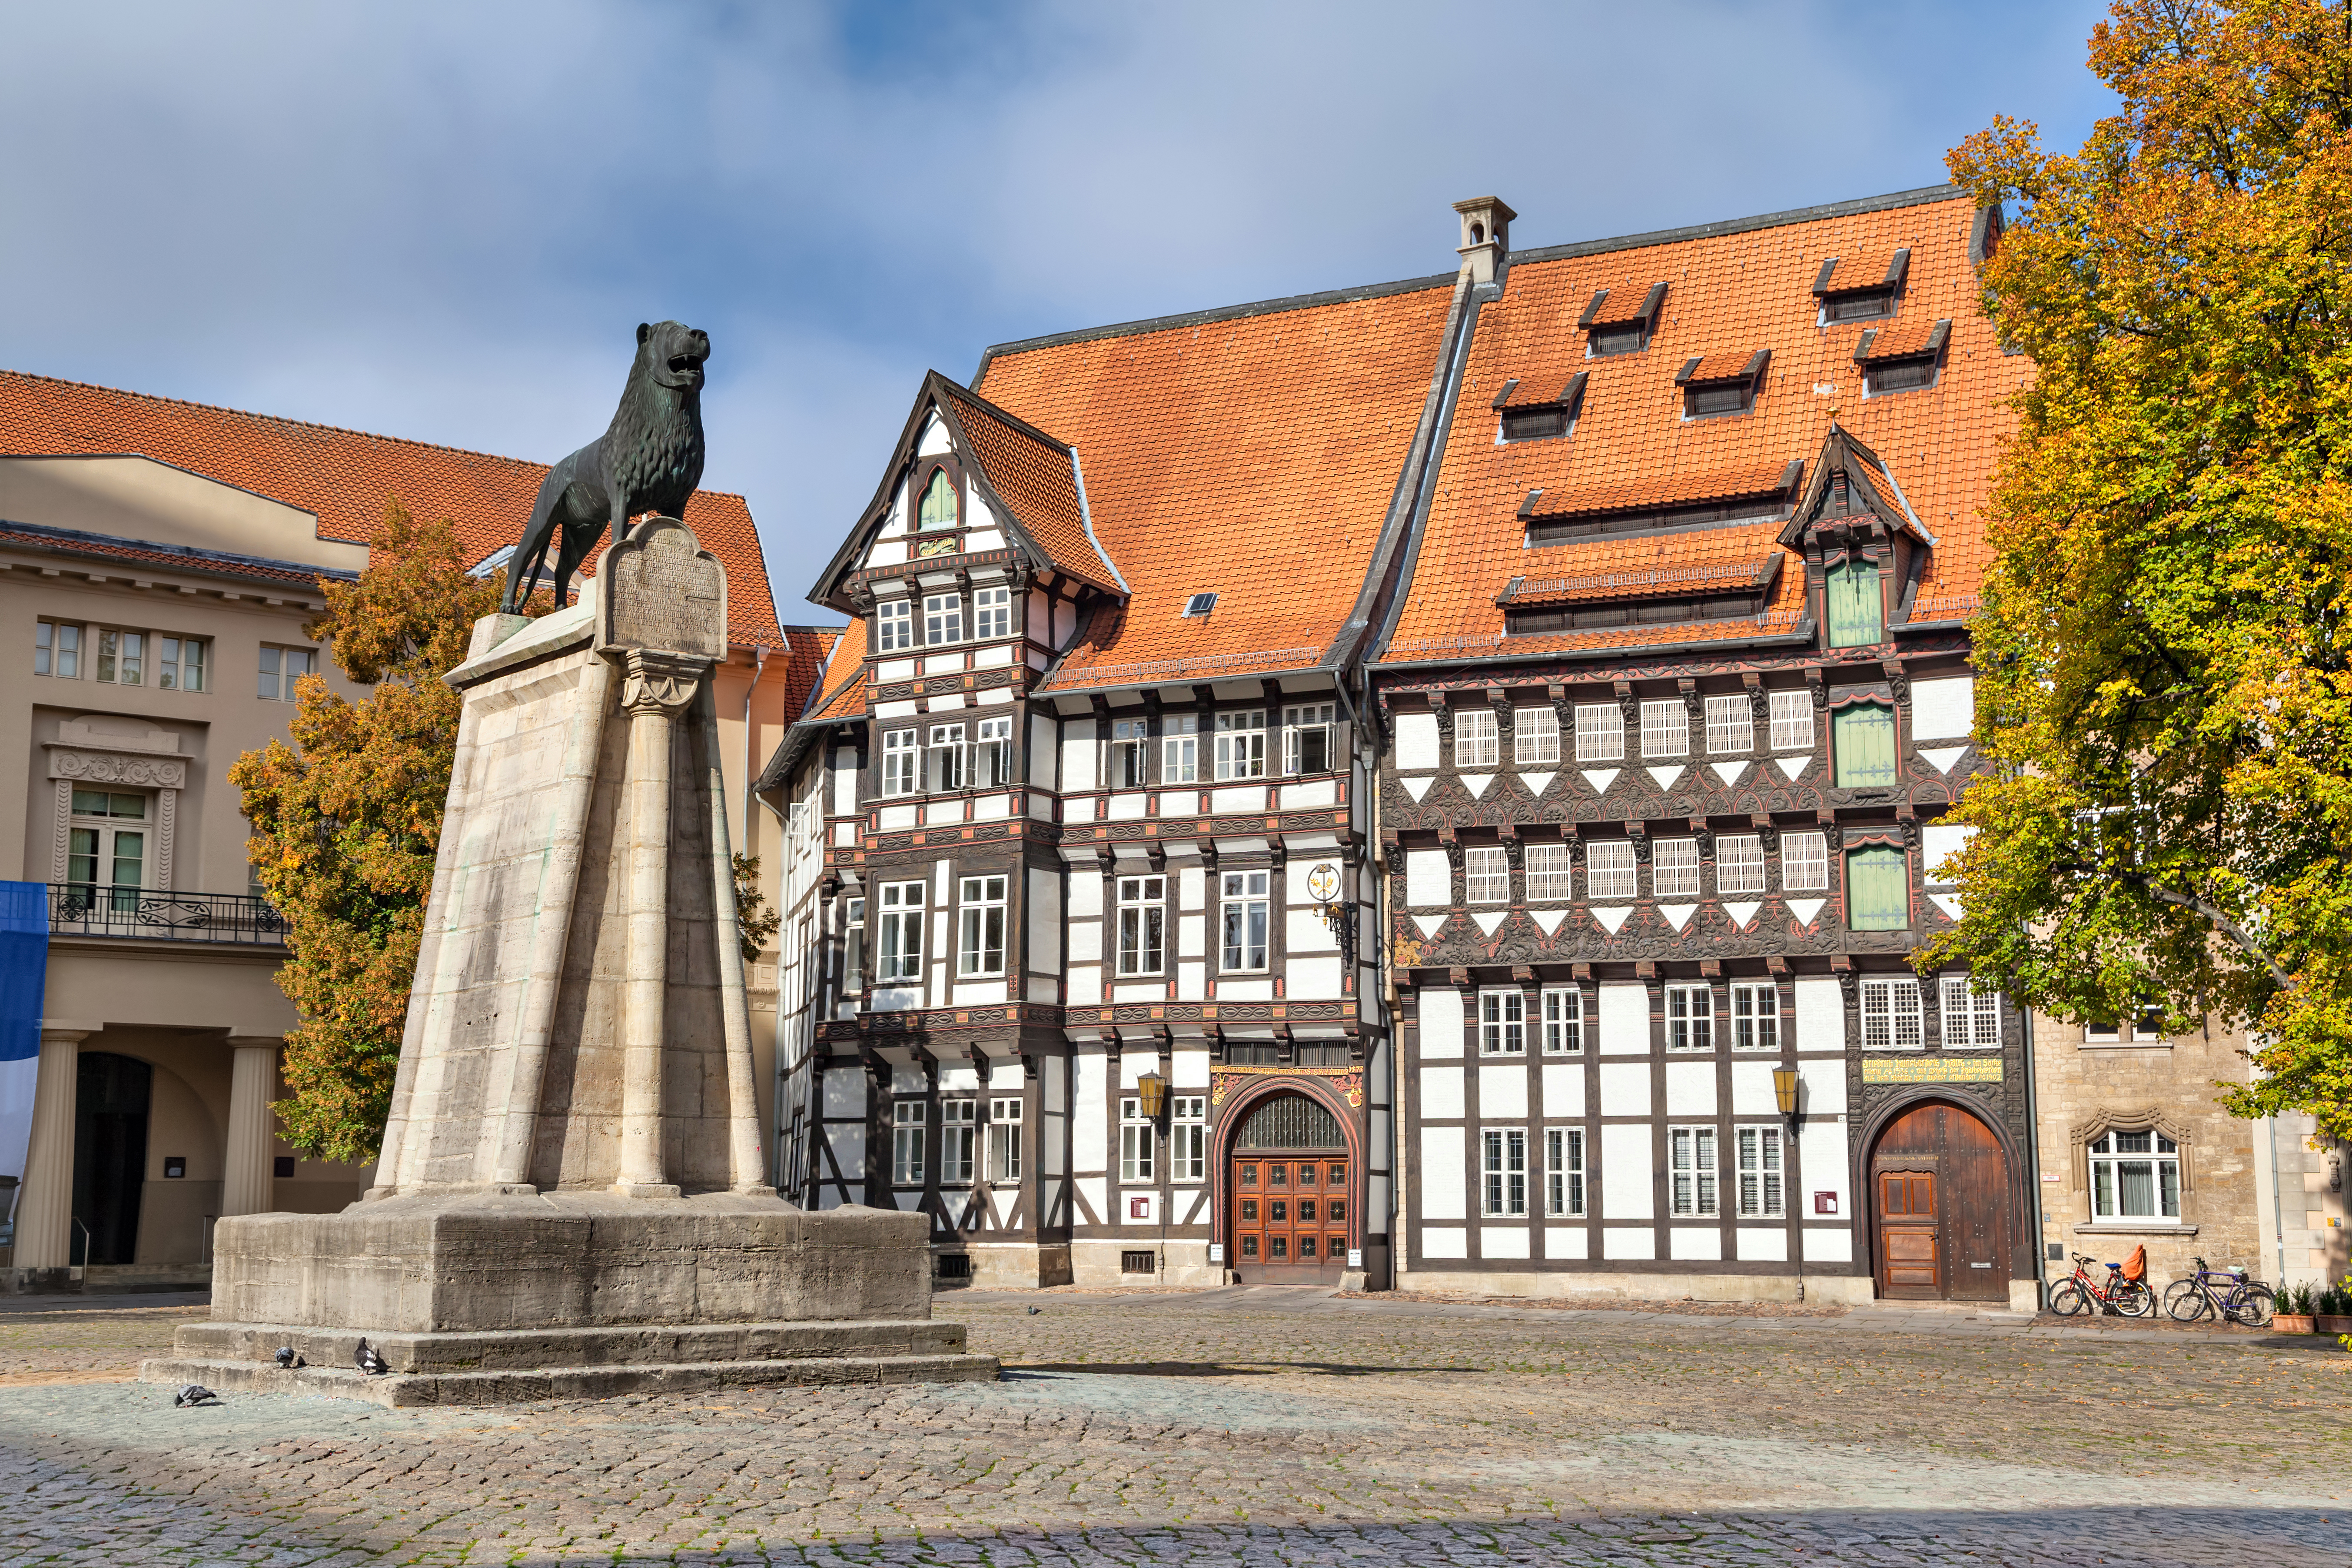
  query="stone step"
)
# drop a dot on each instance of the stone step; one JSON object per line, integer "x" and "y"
{"x": 397, "y": 1391}
{"x": 128, "y": 1278}
{"x": 544, "y": 1350}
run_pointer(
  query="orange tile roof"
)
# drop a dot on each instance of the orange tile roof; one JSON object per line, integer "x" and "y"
{"x": 1636, "y": 567}
{"x": 344, "y": 477}
{"x": 1660, "y": 634}
{"x": 844, "y": 694}
{"x": 1032, "y": 475}
{"x": 1623, "y": 304}
{"x": 806, "y": 650}
{"x": 1903, "y": 340}
{"x": 208, "y": 562}
{"x": 1542, "y": 391}
{"x": 1732, "y": 366}
{"x": 1752, "y": 285}
{"x": 1253, "y": 455}
{"x": 1634, "y": 490}
{"x": 1862, "y": 268}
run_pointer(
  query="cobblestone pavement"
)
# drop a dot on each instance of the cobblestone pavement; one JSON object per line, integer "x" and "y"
{"x": 1244, "y": 1428}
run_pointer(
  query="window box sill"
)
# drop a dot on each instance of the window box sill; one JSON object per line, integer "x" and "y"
{"x": 2133, "y": 1227}
{"x": 2126, "y": 1044}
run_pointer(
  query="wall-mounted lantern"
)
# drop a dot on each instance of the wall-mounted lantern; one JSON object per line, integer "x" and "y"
{"x": 1152, "y": 1089}
{"x": 1784, "y": 1095}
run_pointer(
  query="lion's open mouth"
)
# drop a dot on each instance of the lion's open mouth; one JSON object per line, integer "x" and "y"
{"x": 682, "y": 364}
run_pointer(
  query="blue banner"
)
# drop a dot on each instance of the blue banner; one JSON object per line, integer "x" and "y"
{"x": 24, "y": 970}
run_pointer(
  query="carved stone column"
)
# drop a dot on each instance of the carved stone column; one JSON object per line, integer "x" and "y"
{"x": 246, "y": 1179}
{"x": 656, "y": 688}
{"x": 44, "y": 1208}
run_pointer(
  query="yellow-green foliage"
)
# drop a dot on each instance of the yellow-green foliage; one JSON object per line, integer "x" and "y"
{"x": 2166, "y": 656}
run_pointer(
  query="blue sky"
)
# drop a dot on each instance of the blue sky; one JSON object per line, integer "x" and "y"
{"x": 444, "y": 221}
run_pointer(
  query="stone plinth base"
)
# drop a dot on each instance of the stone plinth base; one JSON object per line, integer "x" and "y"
{"x": 507, "y": 1365}
{"x": 488, "y": 1296}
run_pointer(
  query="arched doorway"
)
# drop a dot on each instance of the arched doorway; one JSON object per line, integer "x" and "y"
{"x": 110, "y": 1099}
{"x": 1288, "y": 1182}
{"x": 1940, "y": 1207}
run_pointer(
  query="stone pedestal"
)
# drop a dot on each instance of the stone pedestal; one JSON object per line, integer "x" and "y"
{"x": 572, "y": 1198}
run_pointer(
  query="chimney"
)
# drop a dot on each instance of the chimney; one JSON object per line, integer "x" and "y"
{"x": 1486, "y": 235}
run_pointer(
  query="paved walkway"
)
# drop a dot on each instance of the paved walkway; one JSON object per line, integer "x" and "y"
{"x": 1246, "y": 1427}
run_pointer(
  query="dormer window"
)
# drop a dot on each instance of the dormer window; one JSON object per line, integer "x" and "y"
{"x": 938, "y": 508}
{"x": 1199, "y": 604}
{"x": 1618, "y": 321}
{"x": 1896, "y": 358}
{"x": 1862, "y": 287}
{"x": 1716, "y": 385}
{"x": 1538, "y": 409}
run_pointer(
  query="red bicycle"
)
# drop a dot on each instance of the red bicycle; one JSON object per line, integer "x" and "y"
{"x": 2127, "y": 1297}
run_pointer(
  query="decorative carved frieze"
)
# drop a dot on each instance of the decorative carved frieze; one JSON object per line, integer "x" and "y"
{"x": 128, "y": 768}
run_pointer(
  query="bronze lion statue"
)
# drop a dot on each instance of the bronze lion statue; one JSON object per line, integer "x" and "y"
{"x": 649, "y": 461}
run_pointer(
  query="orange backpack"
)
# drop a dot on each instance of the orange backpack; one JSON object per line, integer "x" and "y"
{"x": 2135, "y": 1265}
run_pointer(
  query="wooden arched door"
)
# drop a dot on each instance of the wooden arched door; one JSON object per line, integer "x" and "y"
{"x": 1290, "y": 1193}
{"x": 1940, "y": 1207}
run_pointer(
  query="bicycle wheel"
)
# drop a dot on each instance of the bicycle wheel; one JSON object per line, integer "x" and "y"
{"x": 2068, "y": 1299}
{"x": 2133, "y": 1298}
{"x": 2184, "y": 1302}
{"x": 2252, "y": 1305}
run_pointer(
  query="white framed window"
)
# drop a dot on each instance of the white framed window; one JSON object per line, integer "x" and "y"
{"x": 1535, "y": 737}
{"x": 1690, "y": 1018}
{"x": 1188, "y": 1137}
{"x": 1762, "y": 1178}
{"x": 1609, "y": 868}
{"x": 1130, "y": 745}
{"x": 1804, "y": 862}
{"x": 1143, "y": 925}
{"x": 907, "y": 1130}
{"x": 1692, "y": 1168}
{"x": 123, "y": 658}
{"x": 1244, "y": 901}
{"x": 902, "y": 762}
{"x": 1740, "y": 864}
{"x": 281, "y": 667}
{"x": 1502, "y": 1024}
{"x": 1673, "y": 868}
{"x": 992, "y": 753}
{"x": 1507, "y": 1172}
{"x": 894, "y": 624}
{"x": 899, "y": 956}
{"x": 1241, "y": 744}
{"x": 181, "y": 663}
{"x": 1486, "y": 875}
{"x": 980, "y": 949}
{"x": 1890, "y": 1015}
{"x": 1180, "y": 749}
{"x": 853, "y": 943}
{"x": 107, "y": 843}
{"x": 942, "y": 618}
{"x": 1477, "y": 738}
{"x": 1972, "y": 1016}
{"x": 1564, "y": 1171}
{"x": 56, "y": 650}
{"x": 1600, "y": 734}
{"x": 1135, "y": 1142}
{"x": 959, "y": 1137}
{"x": 1665, "y": 728}
{"x": 1730, "y": 726}
{"x": 1792, "y": 721}
{"x": 947, "y": 756}
{"x": 992, "y": 612}
{"x": 1563, "y": 1022}
{"x": 1005, "y": 1139}
{"x": 1755, "y": 1016}
{"x": 2135, "y": 1175}
{"x": 1306, "y": 733}
{"x": 1548, "y": 880}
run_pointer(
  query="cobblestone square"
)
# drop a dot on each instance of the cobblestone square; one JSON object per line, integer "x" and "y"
{"x": 1237, "y": 1428}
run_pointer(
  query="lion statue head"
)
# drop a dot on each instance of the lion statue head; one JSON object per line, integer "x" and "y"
{"x": 673, "y": 352}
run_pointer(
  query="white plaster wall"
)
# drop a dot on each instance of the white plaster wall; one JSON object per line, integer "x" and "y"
{"x": 1416, "y": 742}
{"x": 1090, "y": 1138}
{"x": 1563, "y": 1092}
{"x": 1944, "y": 708}
{"x": 1440, "y": 1024}
{"x": 1690, "y": 1088}
{"x": 1442, "y": 1168}
{"x": 1441, "y": 1092}
{"x": 1624, "y": 1021}
{"x": 1078, "y": 754}
{"x": 1625, "y": 1172}
{"x": 1502, "y": 1092}
{"x": 1428, "y": 879}
{"x": 1624, "y": 1088}
{"x": 1821, "y": 1016}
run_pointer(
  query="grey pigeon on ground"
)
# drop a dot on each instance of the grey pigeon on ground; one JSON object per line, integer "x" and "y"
{"x": 288, "y": 1356}
{"x": 1032, "y": 1312}
{"x": 369, "y": 1361}
{"x": 194, "y": 1393}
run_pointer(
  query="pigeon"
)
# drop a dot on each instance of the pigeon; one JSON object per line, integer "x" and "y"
{"x": 194, "y": 1393}
{"x": 1034, "y": 1310}
{"x": 369, "y": 1361}
{"x": 288, "y": 1356}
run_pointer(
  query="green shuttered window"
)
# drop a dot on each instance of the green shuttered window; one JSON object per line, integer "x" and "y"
{"x": 1862, "y": 737}
{"x": 1854, "y": 612}
{"x": 1877, "y": 890}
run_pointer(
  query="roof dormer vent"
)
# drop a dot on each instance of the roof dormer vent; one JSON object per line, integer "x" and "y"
{"x": 1199, "y": 604}
{"x": 1486, "y": 235}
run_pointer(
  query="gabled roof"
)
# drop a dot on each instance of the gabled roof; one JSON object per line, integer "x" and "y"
{"x": 345, "y": 477}
{"x": 1254, "y": 453}
{"x": 1736, "y": 289}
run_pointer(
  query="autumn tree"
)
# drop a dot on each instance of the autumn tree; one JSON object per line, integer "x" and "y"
{"x": 2164, "y": 693}
{"x": 346, "y": 822}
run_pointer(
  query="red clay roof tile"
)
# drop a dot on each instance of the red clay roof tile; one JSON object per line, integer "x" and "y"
{"x": 345, "y": 477}
{"x": 1903, "y": 340}
{"x": 206, "y": 562}
{"x": 1034, "y": 477}
{"x": 1633, "y": 491}
{"x": 843, "y": 695}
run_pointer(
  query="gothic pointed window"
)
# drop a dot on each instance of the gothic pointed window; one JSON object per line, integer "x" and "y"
{"x": 939, "y": 504}
{"x": 1855, "y": 614}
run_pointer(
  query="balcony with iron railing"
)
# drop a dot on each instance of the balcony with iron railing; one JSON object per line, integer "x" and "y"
{"x": 83, "y": 909}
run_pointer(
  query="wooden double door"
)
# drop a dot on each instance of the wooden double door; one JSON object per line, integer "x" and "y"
{"x": 1940, "y": 1208}
{"x": 1290, "y": 1216}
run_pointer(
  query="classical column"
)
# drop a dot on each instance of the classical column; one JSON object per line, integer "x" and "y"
{"x": 45, "y": 1208}
{"x": 656, "y": 689}
{"x": 252, "y": 1126}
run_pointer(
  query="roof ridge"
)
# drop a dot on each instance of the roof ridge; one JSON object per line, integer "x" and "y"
{"x": 1218, "y": 313}
{"x": 195, "y": 552}
{"x": 1922, "y": 195}
{"x": 298, "y": 424}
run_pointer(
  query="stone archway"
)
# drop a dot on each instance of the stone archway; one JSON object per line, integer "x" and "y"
{"x": 1291, "y": 1181}
{"x": 1941, "y": 1205}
